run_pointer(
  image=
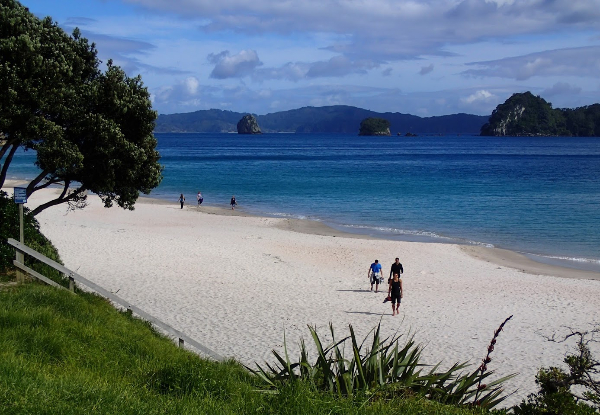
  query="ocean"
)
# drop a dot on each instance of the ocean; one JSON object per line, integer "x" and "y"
{"x": 536, "y": 195}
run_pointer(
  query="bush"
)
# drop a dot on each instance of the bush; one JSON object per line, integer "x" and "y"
{"x": 9, "y": 217}
{"x": 556, "y": 395}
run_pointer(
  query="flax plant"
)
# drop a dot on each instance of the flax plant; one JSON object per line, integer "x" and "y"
{"x": 385, "y": 368}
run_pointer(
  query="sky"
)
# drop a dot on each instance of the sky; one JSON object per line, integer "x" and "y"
{"x": 426, "y": 58}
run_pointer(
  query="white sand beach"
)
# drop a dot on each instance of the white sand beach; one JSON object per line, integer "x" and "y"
{"x": 235, "y": 283}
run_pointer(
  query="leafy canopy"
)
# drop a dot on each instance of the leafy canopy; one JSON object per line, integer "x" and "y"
{"x": 92, "y": 130}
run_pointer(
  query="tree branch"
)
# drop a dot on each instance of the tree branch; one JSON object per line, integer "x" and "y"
{"x": 75, "y": 195}
{"x": 48, "y": 183}
{"x": 7, "y": 161}
{"x": 31, "y": 186}
{"x": 6, "y": 145}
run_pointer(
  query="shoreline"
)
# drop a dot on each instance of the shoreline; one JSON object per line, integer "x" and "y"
{"x": 498, "y": 256}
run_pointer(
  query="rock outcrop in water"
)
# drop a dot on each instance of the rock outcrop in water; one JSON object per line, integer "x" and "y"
{"x": 374, "y": 126}
{"x": 248, "y": 125}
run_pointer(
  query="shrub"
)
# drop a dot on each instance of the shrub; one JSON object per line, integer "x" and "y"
{"x": 9, "y": 217}
{"x": 557, "y": 395}
{"x": 384, "y": 368}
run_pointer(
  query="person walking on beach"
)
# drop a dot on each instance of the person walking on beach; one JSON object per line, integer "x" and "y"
{"x": 233, "y": 202}
{"x": 396, "y": 269}
{"x": 200, "y": 198}
{"x": 374, "y": 274}
{"x": 396, "y": 293}
{"x": 181, "y": 199}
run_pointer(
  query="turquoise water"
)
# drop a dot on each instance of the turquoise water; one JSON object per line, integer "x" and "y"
{"x": 539, "y": 196}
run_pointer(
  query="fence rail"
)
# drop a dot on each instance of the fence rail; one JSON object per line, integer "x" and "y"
{"x": 73, "y": 276}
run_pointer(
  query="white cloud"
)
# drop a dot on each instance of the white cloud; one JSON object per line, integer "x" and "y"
{"x": 192, "y": 85}
{"x": 582, "y": 61}
{"x": 561, "y": 88}
{"x": 388, "y": 29}
{"x": 481, "y": 95}
{"x": 338, "y": 66}
{"x": 233, "y": 66}
{"x": 346, "y": 51}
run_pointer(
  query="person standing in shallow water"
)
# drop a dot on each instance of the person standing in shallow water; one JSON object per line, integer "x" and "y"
{"x": 233, "y": 202}
{"x": 200, "y": 198}
{"x": 181, "y": 199}
{"x": 396, "y": 293}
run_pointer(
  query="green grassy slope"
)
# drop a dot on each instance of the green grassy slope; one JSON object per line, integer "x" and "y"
{"x": 73, "y": 354}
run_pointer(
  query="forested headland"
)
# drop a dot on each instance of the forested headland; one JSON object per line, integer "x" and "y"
{"x": 525, "y": 114}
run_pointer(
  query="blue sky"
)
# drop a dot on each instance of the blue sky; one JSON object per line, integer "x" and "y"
{"x": 429, "y": 57}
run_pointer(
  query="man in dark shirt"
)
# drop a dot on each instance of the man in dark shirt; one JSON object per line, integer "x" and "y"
{"x": 396, "y": 269}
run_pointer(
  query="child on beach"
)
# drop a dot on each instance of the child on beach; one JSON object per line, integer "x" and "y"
{"x": 200, "y": 198}
{"x": 396, "y": 293}
{"x": 233, "y": 203}
{"x": 181, "y": 199}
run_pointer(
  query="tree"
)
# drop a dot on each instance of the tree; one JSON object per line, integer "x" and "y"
{"x": 92, "y": 130}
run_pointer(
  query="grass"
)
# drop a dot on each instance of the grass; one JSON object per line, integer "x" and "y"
{"x": 72, "y": 354}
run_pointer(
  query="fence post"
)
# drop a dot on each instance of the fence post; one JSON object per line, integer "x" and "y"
{"x": 19, "y": 255}
{"x": 181, "y": 342}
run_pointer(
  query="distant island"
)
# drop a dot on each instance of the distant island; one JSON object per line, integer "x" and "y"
{"x": 525, "y": 114}
{"x": 330, "y": 119}
{"x": 374, "y": 126}
{"x": 248, "y": 125}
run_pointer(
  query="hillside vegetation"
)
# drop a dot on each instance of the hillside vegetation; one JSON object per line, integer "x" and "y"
{"x": 524, "y": 114}
{"x": 331, "y": 119}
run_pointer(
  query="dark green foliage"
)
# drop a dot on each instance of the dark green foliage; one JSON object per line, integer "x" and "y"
{"x": 374, "y": 126}
{"x": 9, "y": 218}
{"x": 557, "y": 394}
{"x": 524, "y": 114}
{"x": 385, "y": 369}
{"x": 330, "y": 119}
{"x": 92, "y": 130}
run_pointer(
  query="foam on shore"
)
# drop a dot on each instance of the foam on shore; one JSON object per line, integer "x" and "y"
{"x": 236, "y": 282}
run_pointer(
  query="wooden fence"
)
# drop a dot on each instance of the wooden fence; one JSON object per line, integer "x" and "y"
{"x": 74, "y": 277}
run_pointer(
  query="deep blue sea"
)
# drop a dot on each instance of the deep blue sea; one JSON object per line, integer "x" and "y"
{"x": 535, "y": 195}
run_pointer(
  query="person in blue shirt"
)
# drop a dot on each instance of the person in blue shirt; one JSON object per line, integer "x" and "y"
{"x": 374, "y": 274}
